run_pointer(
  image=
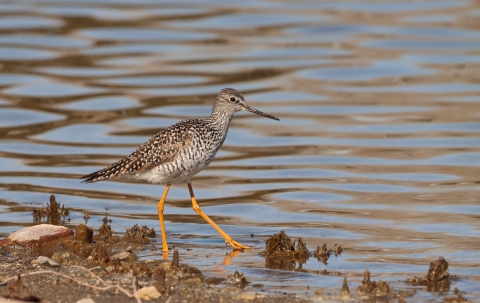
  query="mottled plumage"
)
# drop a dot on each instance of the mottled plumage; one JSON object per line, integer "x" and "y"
{"x": 177, "y": 153}
{"x": 169, "y": 156}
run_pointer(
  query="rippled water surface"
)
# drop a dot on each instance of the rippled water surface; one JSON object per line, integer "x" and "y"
{"x": 377, "y": 148}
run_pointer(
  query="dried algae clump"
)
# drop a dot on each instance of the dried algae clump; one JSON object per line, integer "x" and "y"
{"x": 138, "y": 234}
{"x": 323, "y": 253}
{"x": 84, "y": 234}
{"x": 437, "y": 278}
{"x": 372, "y": 288}
{"x": 282, "y": 253}
{"x": 345, "y": 291}
{"x": 51, "y": 214}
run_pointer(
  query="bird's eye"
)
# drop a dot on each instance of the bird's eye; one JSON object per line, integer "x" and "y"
{"x": 233, "y": 99}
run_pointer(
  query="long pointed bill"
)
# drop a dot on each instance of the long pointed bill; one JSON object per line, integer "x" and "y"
{"x": 256, "y": 111}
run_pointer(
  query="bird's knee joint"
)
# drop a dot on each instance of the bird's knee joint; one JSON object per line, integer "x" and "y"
{"x": 196, "y": 207}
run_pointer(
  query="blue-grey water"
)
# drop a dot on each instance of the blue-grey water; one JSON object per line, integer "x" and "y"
{"x": 377, "y": 148}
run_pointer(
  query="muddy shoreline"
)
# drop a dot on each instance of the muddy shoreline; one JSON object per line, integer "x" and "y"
{"x": 105, "y": 268}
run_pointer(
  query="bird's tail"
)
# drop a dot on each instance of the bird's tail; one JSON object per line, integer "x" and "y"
{"x": 108, "y": 172}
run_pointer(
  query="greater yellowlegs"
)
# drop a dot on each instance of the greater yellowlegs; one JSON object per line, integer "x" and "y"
{"x": 177, "y": 153}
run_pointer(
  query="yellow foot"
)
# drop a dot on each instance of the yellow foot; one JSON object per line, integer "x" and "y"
{"x": 235, "y": 244}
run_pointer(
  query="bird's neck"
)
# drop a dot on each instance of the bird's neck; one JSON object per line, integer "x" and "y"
{"x": 220, "y": 118}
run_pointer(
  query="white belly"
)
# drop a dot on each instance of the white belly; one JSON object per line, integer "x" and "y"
{"x": 177, "y": 171}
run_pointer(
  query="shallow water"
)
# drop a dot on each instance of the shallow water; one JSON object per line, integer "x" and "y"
{"x": 377, "y": 148}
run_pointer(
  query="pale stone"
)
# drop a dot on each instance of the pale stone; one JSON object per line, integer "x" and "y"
{"x": 42, "y": 260}
{"x": 34, "y": 234}
{"x": 148, "y": 293}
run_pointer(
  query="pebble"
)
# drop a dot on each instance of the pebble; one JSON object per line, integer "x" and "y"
{"x": 126, "y": 256}
{"x": 42, "y": 260}
{"x": 85, "y": 300}
{"x": 148, "y": 293}
{"x": 66, "y": 258}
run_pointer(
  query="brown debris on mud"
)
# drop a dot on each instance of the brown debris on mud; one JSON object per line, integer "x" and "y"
{"x": 373, "y": 288}
{"x": 437, "y": 278}
{"x": 84, "y": 234}
{"x": 52, "y": 213}
{"x": 323, "y": 253}
{"x": 345, "y": 291}
{"x": 281, "y": 253}
{"x": 139, "y": 235}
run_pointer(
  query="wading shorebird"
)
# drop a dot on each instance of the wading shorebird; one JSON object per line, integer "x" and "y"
{"x": 177, "y": 153}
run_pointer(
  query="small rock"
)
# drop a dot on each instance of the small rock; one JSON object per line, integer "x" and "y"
{"x": 42, "y": 260}
{"x": 85, "y": 300}
{"x": 148, "y": 293}
{"x": 125, "y": 256}
{"x": 38, "y": 234}
{"x": 66, "y": 258}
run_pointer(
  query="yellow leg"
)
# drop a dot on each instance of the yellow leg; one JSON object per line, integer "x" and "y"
{"x": 199, "y": 211}
{"x": 160, "y": 208}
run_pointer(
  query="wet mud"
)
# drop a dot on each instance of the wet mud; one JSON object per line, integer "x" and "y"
{"x": 106, "y": 267}
{"x": 18, "y": 291}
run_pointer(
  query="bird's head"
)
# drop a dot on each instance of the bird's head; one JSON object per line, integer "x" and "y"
{"x": 232, "y": 100}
